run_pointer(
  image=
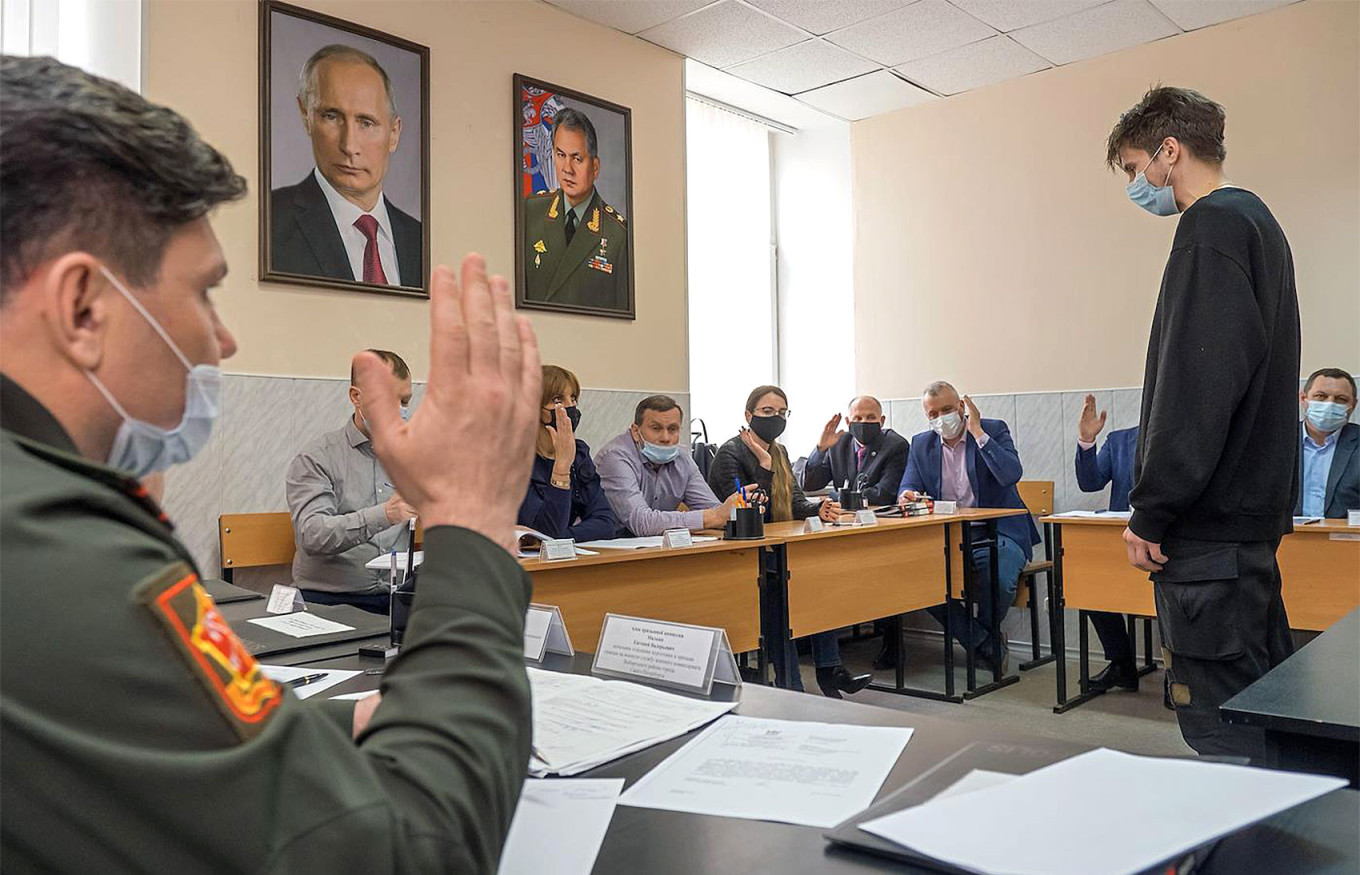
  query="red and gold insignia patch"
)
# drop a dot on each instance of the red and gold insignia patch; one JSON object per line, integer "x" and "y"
{"x": 220, "y": 661}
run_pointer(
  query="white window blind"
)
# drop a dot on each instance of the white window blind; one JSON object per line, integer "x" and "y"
{"x": 103, "y": 37}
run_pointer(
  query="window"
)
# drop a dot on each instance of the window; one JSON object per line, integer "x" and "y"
{"x": 732, "y": 336}
{"x": 103, "y": 37}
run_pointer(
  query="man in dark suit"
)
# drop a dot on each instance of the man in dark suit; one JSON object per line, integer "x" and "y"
{"x": 1329, "y": 461}
{"x": 1112, "y": 465}
{"x": 575, "y": 245}
{"x": 868, "y": 455}
{"x": 973, "y": 461}
{"x": 336, "y": 222}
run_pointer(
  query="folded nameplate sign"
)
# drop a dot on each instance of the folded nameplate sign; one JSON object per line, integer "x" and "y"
{"x": 946, "y": 506}
{"x": 675, "y": 655}
{"x": 813, "y": 524}
{"x": 544, "y": 633}
{"x": 558, "y": 549}
{"x": 674, "y": 538}
{"x": 865, "y": 518}
{"x": 1353, "y": 517}
{"x": 285, "y": 600}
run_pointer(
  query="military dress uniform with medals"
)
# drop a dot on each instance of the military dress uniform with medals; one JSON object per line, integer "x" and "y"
{"x": 590, "y": 269}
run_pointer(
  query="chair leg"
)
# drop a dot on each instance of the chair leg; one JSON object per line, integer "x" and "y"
{"x": 1034, "y": 616}
{"x": 1039, "y": 658}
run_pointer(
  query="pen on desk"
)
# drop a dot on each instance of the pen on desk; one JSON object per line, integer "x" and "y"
{"x": 375, "y": 671}
{"x": 306, "y": 679}
{"x": 538, "y": 754}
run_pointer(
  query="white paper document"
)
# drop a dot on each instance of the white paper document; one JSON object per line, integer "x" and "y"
{"x": 1094, "y": 514}
{"x": 815, "y": 774}
{"x": 354, "y": 697}
{"x": 384, "y": 561}
{"x": 581, "y": 722}
{"x": 1055, "y": 820}
{"x": 285, "y": 673}
{"x": 301, "y": 625}
{"x": 977, "y": 779}
{"x": 638, "y": 543}
{"x": 523, "y": 532}
{"x": 559, "y": 826}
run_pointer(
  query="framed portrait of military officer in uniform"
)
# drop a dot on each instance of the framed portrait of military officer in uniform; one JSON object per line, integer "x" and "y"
{"x": 344, "y": 154}
{"x": 573, "y": 202}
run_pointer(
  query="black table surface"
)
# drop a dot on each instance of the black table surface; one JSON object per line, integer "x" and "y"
{"x": 1317, "y": 837}
{"x": 278, "y": 648}
{"x": 1314, "y": 692}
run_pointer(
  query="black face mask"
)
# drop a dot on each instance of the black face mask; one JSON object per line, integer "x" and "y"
{"x": 767, "y": 428}
{"x": 574, "y": 417}
{"x": 866, "y": 432}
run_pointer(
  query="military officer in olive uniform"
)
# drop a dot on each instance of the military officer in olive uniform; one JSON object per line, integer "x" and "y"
{"x": 576, "y": 245}
{"x": 139, "y": 732}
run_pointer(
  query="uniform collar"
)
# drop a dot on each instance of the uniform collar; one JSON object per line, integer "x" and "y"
{"x": 26, "y": 416}
{"x": 38, "y": 430}
{"x": 580, "y": 209}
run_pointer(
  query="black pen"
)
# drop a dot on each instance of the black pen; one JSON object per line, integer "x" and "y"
{"x": 307, "y": 679}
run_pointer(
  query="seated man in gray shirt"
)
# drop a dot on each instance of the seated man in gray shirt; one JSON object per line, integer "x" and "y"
{"x": 345, "y": 511}
{"x": 647, "y": 474}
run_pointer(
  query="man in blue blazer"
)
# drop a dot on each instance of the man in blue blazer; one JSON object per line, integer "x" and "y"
{"x": 972, "y": 461}
{"x": 1112, "y": 465}
{"x": 1329, "y": 459}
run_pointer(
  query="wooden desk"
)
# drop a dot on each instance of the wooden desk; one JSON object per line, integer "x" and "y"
{"x": 845, "y": 575}
{"x": 715, "y": 583}
{"x": 1319, "y": 570}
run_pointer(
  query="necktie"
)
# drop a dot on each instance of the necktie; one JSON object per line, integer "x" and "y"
{"x": 859, "y": 457}
{"x": 571, "y": 224}
{"x": 373, "y": 270}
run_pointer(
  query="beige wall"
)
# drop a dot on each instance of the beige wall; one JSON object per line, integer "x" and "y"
{"x": 994, "y": 249}
{"x": 201, "y": 59}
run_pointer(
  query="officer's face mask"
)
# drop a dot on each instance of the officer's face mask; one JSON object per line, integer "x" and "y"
{"x": 947, "y": 425}
{"x": 1327, "y": 416}
{"x": 1160, "y": 200}
{"x": 141, "y": 448}
{"x": 866, "y": 432}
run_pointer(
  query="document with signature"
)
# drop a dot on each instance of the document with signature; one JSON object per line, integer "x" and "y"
{"x": 815, "y": 774}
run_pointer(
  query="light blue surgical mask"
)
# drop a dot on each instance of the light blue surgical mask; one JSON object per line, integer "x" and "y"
{"x": 1327, "y": 416}
{"x": 405, "y": 413}
{"x": 659, "y": 453}
{"x": 141, "y": 448}
{"x": 1160, "y": 200}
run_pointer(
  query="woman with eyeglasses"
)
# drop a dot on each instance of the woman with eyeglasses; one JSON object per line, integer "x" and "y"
{"x": 755, "y": 457}
{"x": 565, "y": 497}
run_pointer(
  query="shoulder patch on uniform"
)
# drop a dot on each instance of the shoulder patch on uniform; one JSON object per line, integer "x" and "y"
{"x": 232, "y": 678}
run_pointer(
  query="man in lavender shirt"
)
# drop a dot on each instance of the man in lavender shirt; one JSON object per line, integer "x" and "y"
{"x": 647, "y": 474}
{"x": 973, "y": 461}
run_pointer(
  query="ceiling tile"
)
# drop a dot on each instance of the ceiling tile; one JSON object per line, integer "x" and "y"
{"x": 1192, "y": 14}
{"x": 916, "y": 31}
{"x": 1097, "y": 31}
{"x": 973, "y": 65}
{"x": 724, "y": 34}
{"x": 629, "y": 16}
{"x": 824, "y": 16}
{"x": 867, "y": 95}
{"x": 1008, "y": 15}
{"x": 799, "y": 68}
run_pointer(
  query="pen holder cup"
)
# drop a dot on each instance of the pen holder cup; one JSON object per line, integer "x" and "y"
{"x": 748, "y": 526}
{"x": 401, "y": 613}
{"x": 851, "y": 500}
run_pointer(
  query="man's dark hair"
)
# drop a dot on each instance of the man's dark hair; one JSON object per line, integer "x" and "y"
{"x": 394, "y": 361}
{"x": 659, "y": 403}
{"x": 1193, "y": 119}
{"x": 1331, "y": 373}
{"x": 88, "y": 165}
{"x": 575, "y": 120}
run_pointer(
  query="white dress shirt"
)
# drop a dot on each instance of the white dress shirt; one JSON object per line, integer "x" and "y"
{"x": 345, "y": 215}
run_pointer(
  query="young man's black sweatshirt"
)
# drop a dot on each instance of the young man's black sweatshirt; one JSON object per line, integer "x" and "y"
{"x": 1219, "y": 443}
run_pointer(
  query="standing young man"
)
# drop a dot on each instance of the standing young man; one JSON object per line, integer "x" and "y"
{"x": 1217, "y": 465}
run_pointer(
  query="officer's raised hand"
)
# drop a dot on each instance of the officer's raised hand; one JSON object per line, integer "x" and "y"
{"x": 1090, "y": 425}
{"x": 464, "y": 457}
{"x": 830, "y": 434}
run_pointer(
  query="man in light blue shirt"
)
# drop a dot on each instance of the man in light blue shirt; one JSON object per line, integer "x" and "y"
{"x": 1329, "y": 461}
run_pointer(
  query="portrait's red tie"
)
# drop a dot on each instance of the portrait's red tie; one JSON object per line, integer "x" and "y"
{"x": 373, "y": 270}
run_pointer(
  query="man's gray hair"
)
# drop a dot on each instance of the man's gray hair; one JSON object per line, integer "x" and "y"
{"x": 575, "y": 120}
{"x": 307, "y": 78}
{"x": 859, "y": 398}
{"x": 935, "y": 388}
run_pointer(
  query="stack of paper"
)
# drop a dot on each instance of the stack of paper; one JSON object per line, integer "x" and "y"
{"x": 523, "y": 533}
{"x": 638, "y": 543}
{"x": 582, "y": 722}
{"x": 816, "y": 774}
{"x": 285, "y": 673}
{"x": 1044, "y": 823}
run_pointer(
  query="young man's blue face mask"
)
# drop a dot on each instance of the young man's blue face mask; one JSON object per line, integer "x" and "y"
{"x": 1160, "y": 200}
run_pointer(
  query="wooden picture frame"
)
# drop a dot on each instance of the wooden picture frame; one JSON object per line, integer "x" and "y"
{"x": 306, "y": 238}
{"x": 594, "y": 277}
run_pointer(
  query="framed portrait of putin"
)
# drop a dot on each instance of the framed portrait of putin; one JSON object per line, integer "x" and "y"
{"x": 573, "y": 201}
{"x": 344, "y": 154}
